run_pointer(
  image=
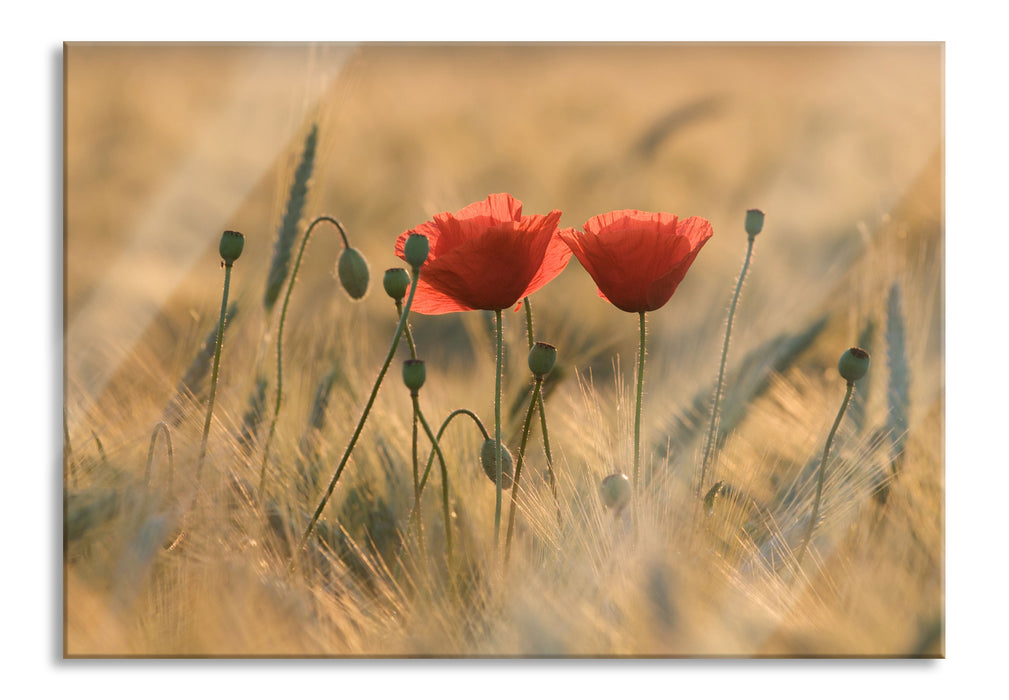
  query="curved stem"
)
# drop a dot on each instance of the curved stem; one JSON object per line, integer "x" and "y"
{"x": 820, "y": 478}
{"x": 441, "y": 430}
{"x": 360, "y": 423}
{"x": 213, "y": 379}
{"x": 709, "y": 448}
{"x": 497, "y": 429}
{"x": 280, "y": 340}
{"x": 446, "y": 509}
{"x": 161, "y": 427}
{"x": 518, "y": 467}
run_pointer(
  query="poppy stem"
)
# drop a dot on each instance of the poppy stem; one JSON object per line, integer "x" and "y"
{"x": 213, "y": 378}
{"x": 543, "y": 419}
{"x": 637, "y": 406}
{"x": 518, "y": 466}
{"x": 446, "y": 508}
{"x": 710, "y": 447}
{"x": 497, "y": 427}
{"x": 821, "y": 476}
{"x": 441, "y": 430}
{"x": 409, "y": 334}
{"x": 416, "y": 478}
{"x": 360, "y": 423}
{"x": 280, "y": 340}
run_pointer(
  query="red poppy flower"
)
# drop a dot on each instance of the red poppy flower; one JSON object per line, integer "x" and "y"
{"x": 638, "y": 258}
{"x": 486, "y": 256}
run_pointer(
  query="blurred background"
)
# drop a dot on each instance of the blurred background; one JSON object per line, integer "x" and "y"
{"x": 168, "y": 145}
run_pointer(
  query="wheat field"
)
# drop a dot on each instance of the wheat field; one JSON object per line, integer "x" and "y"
{"x": 841, "y": 145}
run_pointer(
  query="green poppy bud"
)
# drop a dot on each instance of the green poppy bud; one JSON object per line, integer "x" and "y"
{"x": 231, "y": 246}
{"x": 416, "y": 249}
{"x": 352, "y": 270}
{"x": 488, "y": 458}
{"x": 542, "y": 357}
{"x": 853, "y": 365}
{"x": 414, "y": 375}
{"x": 616, "y": 491}
{"x": 754, "y": 222}
{"x": 396, "y": 282}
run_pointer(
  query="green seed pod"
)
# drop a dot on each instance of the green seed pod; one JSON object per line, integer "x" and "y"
{"x": 396, "y": 282}
{"x": 616, "y": 491}
{"x": 414, "y": 375}
{"x": 353, "y": 272}
{"x": 853, "y": 365}
{"x": 231, "y": 246}
{"x": 488, "y": 458}
{"x": 754, "y": 222}
{"x": 416, "y": 249}
{"x": 542, "y": 357}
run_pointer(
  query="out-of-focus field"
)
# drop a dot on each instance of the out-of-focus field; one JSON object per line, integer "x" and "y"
{"x": 840, "y": 145}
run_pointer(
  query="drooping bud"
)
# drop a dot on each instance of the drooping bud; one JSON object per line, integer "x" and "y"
{"x": 231, "y": 246}
{"x": 853, "y": 365}
{"x": 416, "y": 249}
{"x": 542, "y": 357}
{"x": 754, "y": 222}
{"x": 352, "y": 269}
{"x": 615, "y": 491}
{"x": 488, "y": 459}
{"x": 414, "y": 375}
{"x": 396, "y": 282}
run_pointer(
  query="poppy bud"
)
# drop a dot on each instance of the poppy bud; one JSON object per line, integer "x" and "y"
{"x": 231, "y": 246}
{"x": 754, "y": 222}
{"x": 414, "y": 375}
{"x": 488, "y": 458}
{"x": 853, "y": 365}
{"x": 416, "y": 249}
{"x": 542, "y": 357}
{"x": 352, "y": 269}
{"x": 396, "y": 281}
{"x": 616, "y": 491}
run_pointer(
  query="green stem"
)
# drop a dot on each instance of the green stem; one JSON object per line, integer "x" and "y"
{"x": 497, "y": 428}
{"x": 409, "y": 335}
{"x": 441, "y": 430}
{"x": 360, "y": 423}
{"x": 709, "y": 448}
{"x": 280, "y": 340}
{"x": 543, "y": 417}
{"x": 446, "y": 509}
{"x": 213, "y": 379}
{"x": 637, "y": 403}
{"x": 416, "y": 477}
{"x": 518, "y": 466}
{"x": 820, "y": 478}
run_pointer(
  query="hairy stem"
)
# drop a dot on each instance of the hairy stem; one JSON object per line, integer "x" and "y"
{"x": 821, "y": 476}
{"x": 497, "y": 428}
{"x": 360, "y": 424}
{"x": 518, "y": 466}
{"x": 280, "y": 341}
{"x": 543, "y": 417}
{"x": 213, "y": 379}
{"x": 709, "y": 448}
